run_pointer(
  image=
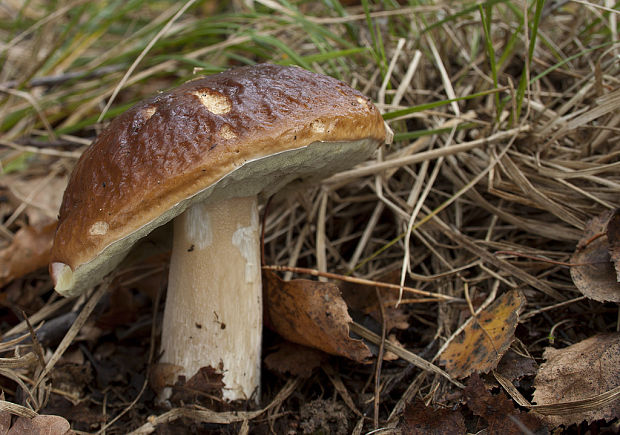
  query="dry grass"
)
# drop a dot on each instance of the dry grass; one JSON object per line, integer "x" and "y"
{"x": 492, "y": 153}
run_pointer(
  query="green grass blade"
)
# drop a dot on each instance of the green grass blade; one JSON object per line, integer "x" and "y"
{"x": 428, "y": 106}
{"x": 524, "y": 82}
{"x": 409, "y": 135}
{"x": 486, "y": 15}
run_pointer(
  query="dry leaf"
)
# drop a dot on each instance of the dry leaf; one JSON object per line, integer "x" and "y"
{"x": 310, "y": 313}
{"x": 483, "y": 342}
{"x": 42, "y": 194}
{"x": 419, "y": 419}
{"x": 595, "y": 276}
{"x": 295, "y": 359}
{"x": 40, "y": 425}
{"x": 498, "y": 410}
{"x": 578, "y": 372}
{"x": 29, "y": 251}
{"x": 206, "y": 382}
{"x": 514, "y": 366}
{"x": 613, "y": 239}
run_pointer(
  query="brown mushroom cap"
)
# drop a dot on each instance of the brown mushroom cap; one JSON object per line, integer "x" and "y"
{"x": 247, "y": 131}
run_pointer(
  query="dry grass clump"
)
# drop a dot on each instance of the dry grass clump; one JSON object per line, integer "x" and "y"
{"x": 506, "y": 143}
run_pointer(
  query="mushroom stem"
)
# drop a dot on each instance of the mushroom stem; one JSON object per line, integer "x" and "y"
{"x": 213, "y": 314}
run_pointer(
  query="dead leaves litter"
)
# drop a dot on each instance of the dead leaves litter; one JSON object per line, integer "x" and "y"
{"x": 582, "y": 371}
{"x": 497, "y": 413}
{"x": 485, "y": 339}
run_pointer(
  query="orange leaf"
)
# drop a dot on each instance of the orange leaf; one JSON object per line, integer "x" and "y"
{"x": 483, "y": 342}
{"x": 29, "y": 251}
{"x": 311, "y": 313}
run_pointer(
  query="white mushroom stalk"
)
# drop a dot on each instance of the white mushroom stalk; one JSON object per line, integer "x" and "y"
{"x": 213, "y": 315}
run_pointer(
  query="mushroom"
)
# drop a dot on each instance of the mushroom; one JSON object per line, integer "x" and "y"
{"x": 201, "y": 154}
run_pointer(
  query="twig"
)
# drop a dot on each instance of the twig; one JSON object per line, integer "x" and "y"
{"x": 207, "y": 416}
{"x": 362, "y": 281}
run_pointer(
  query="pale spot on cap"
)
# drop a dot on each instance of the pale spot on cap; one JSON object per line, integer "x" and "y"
{"x": 214, "y": 101}
{"x": 318, "y": 126}
{"x": 147, "y": 112}
{"x": 362, "y": 101}
{"x": 98, "y": 228}
{"x": 227, "y": 132}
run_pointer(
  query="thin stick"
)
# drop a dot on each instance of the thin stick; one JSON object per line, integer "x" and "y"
{"x": 362, "y": 281}
{"x": 542, "y": 259}
{"x": 207, "y": 416}
{"x": 550, "y": 307}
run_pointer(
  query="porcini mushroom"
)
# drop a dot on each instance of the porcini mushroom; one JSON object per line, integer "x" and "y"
{"x": 201, "y": 154}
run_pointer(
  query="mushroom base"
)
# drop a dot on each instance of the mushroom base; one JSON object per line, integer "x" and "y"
{"x": 213, "y": 314}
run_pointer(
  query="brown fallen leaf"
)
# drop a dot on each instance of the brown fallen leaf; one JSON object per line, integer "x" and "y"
{"x": 514, "y": 366}
{"x": 310, "y": 313}
{"x": 594, "y": 274}
{"x": 42, "y": 195}
{"x": 207, "y": 382}
{"x": 295, "y": 359}
{"x": 578, "y": 372}
{"x": 613, "y": 239}
{"x": 40, "y": 425}
{"x": 499, "y": 411}
{"x": 29, "y": 251}
{"x": 419, "y": 419}
{"x": 485, "y": 339}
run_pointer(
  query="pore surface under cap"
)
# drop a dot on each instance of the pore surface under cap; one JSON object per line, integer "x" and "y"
{"x": 197, "y": 143}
